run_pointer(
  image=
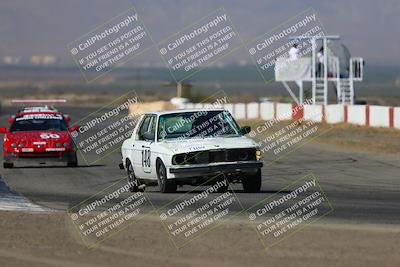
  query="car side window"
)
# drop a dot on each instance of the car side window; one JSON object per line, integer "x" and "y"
{"x": 143, "y": 127}
{"x": 152, "y": 128}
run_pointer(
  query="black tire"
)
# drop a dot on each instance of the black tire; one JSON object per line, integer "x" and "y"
{"x": 73, "y": 162}
{"x": 224, "y": 188}
{"x": 165, "y": 185}
{"x": 8, "y": 165}
{"x": 132, "y": 178}
{"x": 252, "y": 182}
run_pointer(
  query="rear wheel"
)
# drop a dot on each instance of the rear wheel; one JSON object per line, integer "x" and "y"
{"x": 252, "y": 182}
{"x": 165, "y": 185}
{"x": 132, "y": 178}
{"x": 8, "y": 165}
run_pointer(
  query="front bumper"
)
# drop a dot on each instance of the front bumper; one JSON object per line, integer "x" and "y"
{"x": 216, "y": 167}
{"x": 41, "y": 157}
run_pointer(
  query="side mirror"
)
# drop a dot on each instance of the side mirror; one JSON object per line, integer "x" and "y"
{"x": 67, "y": 118}
{"x": 245, "y": 129}
{"x": 3, "y": 130}
{"x": 74, "y": 128}
{"x": 148, "y": 136}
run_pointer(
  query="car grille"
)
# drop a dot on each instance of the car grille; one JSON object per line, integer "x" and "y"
{"x": 214, "y": 156}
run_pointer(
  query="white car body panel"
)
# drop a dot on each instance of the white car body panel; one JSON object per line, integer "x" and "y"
{"x": 132, "y": 149}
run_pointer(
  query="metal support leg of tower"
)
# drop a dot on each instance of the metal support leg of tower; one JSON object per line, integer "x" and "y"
{"x": 325, "y": 72}
{"x": 313, "y": 74}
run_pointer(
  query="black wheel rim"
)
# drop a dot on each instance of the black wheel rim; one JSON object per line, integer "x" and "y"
{"x": 131, "y": 175}
{"x": 161, "y": 174}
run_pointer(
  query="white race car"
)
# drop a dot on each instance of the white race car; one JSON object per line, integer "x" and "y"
{"x": 194, "y": 147}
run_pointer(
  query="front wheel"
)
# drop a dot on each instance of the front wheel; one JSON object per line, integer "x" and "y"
{"x": 8, "y": 165}
{"x": 165, "y": 185}
{"x": 222, "y": 187}
{"x": 252, "y": 182}
{"x": 73, "y": 162}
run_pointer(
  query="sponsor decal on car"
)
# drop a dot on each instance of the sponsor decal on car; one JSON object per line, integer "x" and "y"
{"x": 55, "y": 149}
{"x": 40, "y": 117}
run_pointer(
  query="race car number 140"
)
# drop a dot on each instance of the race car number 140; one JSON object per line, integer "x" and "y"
{"x": 146, "y": 158}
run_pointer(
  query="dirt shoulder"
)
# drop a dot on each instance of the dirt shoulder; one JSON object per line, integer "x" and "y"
{"x": 349, "y": 137}
{"x": 50, "y": 240}
{"x": 379, "y": 140}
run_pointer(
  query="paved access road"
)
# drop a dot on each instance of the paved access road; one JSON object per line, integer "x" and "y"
{"x": 361, "y": 187}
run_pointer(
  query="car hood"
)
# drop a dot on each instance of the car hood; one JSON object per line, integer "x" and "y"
{"x": 191, "y": 145}
{"x": 27, "y": 137}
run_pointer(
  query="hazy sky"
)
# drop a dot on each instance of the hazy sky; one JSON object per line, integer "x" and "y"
{"x": 369, "y": 28}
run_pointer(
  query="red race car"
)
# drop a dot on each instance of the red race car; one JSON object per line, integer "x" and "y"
{"x": 39, "y": 133}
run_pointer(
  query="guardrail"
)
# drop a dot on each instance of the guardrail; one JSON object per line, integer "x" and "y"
{"x": 363, "y": 115}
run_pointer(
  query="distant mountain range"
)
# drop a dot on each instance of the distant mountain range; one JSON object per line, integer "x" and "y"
{"x": 369, "y": 28}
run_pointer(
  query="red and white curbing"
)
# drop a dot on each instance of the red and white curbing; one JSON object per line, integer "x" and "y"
{"x": 363, "y": 115}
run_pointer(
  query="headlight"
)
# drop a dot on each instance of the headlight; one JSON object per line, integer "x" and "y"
{"x": 58, "y": 145}
{"x": 178, "y": 159}
{"x": 13, "y": 145}
{"x": 191, "y": 158}
{"x": 21, "y": 145}
{"x": 258, "y": 155}
{"x": 243, "y": 155}
{"x": 66, "y": 144}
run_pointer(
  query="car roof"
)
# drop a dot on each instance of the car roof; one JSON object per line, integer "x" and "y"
{"x": 37, "y": 112}
{"x": 38, "y": 109}
{"x": 182, "y": 111}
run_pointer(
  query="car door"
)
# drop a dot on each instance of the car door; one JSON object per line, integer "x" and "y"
{"x": 137, "y": 146}
{"x": 142, "y": 148}
{"x": 148, "y": 158}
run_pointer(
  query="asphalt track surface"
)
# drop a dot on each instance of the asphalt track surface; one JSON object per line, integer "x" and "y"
{"x": 361, "y": 187}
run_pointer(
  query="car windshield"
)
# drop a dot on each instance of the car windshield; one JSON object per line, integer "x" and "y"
{"x": 37, "y": 123}
{"x": 200, "y": 124}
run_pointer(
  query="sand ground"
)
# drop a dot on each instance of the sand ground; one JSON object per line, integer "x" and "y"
{"x": 50, "y": 240}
